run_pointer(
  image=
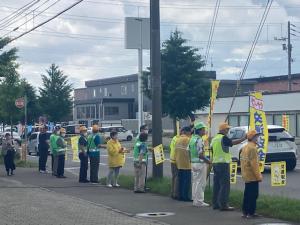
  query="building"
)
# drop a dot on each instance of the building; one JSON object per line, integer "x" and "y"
{"x": 108, "y": 99}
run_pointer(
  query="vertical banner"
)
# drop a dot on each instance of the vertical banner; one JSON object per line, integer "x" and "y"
{"x": 213, "y": 96}
{"x": 278, "y": 174}
{"x": 159, "y": 154}
{"x": 177, "y": 128}
{"x": 258, "y": 122}
{"x": 233, "y": 172}
{"x": 74, "y": 144}
{"x": 286, "y": 122}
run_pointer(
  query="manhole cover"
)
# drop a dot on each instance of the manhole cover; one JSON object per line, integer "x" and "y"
{"x": 155, "y": 214}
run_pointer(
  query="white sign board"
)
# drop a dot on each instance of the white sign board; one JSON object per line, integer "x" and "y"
{"x": 137, "y": 33}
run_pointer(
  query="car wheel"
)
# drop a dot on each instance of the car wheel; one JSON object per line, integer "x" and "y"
{"x": 291, "y": 164}
{"x": 129, "y": 138}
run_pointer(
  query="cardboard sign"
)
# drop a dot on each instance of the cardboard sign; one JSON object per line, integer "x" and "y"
{"x": 74, "y": 144}
{"x": 233, "y": 172}
{"x": 159, "y": 154}
{"x": 278, "y": 174}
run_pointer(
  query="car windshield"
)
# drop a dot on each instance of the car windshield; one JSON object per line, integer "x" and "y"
{"x": 275, "y": 135}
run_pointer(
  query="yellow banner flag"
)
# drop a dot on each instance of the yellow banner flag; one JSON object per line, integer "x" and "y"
{"x": 213, "y": 96}
{"x": 286, "y": 122}
{"x": 74, "y": 144}
{"x": 233, "y": 172}
{"x": 159, "y": 154}
{"x": 258, "y": 122}
{"x": 278, "y": 174}
{"x": 177, "y": 128}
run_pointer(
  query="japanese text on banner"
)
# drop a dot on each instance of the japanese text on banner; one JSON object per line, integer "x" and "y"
{"x": 286, "y": 122}
{"x": 278, "y": 174}
{"x": 159, "y": 154}
{"x": 74, "y": 144}
{"x": 258, "y": 122}
{"x": 233, "y": 172}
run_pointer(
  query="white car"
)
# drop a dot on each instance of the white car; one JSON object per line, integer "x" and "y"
{"x": 123, "y": 134}
{"x": 281, "y": 145}
{"x": 33, "y": 142}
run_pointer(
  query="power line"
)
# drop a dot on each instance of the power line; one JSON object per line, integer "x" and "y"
{"x": 212, "y": 29}
{"x": 257, "y": 35}
{"x": 44, "y": 10}
{"x": 43, "y": 23}
{"x": 17, "y": 13}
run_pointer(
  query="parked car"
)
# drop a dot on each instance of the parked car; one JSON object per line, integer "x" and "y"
{"x": 281, "y": 145}
{"x": 123, "y": 134}
{"x": 73, "y": 129}
{"x": 33, "y": 141}
{"x": 15, "y": 136}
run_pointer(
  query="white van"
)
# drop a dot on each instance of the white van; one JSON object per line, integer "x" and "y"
{"x": 33, "y": 142}
{"x": 281, "y": 145}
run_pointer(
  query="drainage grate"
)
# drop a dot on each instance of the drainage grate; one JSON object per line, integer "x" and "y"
{"x": 155, "y": 214}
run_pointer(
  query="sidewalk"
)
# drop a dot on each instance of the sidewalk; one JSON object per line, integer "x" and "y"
{"x": 68, "y": 200}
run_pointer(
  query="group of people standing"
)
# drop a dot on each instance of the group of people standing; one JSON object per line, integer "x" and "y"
{"x": 191, "y": 168}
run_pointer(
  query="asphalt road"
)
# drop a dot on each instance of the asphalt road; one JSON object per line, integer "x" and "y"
{"x": 291, "y": 190}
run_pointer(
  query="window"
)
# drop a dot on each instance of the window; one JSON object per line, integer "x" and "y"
{"x": 123, "y": 90}
{"x": 94, "y": 93}
{"x": 111, "y": 110}
{"x": 292, "y": 125}
{"x": 100, "y": 90}
{"x": 234, "y": 121}
{"x": 244, "y": 120}
{"x": 278, "y": 120}
{"x": 269, "y": 119}
{"x": 132, "y": 88}
{"x": 93, "y": 112}
{"x": 105, "y": 92}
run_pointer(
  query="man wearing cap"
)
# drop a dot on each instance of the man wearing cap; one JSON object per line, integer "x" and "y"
{"x": 43, "y": 146}
{"x": 221, "y": 165}
{"x": 94, "y": 145}
{"x": 60, "y": 152}
{"x": 199, "y": 165}
{"x": 183, "y": 164}
{"x": 251, "y": 174}
{"x": 83, "y": 156}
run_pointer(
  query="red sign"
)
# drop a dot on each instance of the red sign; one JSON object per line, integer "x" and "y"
{"x": 20, "y": 103}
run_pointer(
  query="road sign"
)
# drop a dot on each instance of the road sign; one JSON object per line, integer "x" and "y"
{"x": 20, "y": 103}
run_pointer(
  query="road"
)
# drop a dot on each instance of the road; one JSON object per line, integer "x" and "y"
{"x": 291, "y": 190}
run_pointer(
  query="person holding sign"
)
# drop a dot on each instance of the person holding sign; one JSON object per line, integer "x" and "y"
{"x": 83, "y": 156}
{"x": 221, "y": 164}
{"x": 199, "y": 165}
{"x": 116, "y": 159}
{"x": 251, "y": 174}
{"x": 140, "y": 155}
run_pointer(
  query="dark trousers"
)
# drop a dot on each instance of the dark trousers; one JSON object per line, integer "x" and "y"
{"x": 221, "y": 188}
{"x": 94, "y": 168}
{"x": 184, "y": 181}
{"x": 43, "y": 152}
{"x": 250, "y": 197}
{"x": 9, "y": 161}
{"x": 60, "y": 165}
{"x": 84, "y": 163}
{"x": 174, "y": 188}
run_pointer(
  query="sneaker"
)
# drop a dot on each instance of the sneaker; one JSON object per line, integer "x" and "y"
{"x": 109, "y": 185}
{"x": 228, "y": 208}
{"x": 42, "y": 171}
{"x": 116, "y": 185}
{"x": 203, "y": 204}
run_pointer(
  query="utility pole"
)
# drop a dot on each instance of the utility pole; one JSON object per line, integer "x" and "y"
{"x": 289, "y": 49}
{"x": 155, "y": 66}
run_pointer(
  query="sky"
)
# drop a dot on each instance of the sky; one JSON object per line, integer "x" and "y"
{"x": 87, "y": 42}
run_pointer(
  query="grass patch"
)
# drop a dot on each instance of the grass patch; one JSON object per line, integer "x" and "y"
{"x": 267, "y": 205}
{"x": 21, "y": 163}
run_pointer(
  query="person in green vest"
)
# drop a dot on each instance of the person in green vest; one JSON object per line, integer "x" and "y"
{"x": 221, "y": 165}
{"x": 199, "y": 165}
{"x": 140, "y": 155}
{"x": 143, "y": 130}
{"x": 83, "y": 156}
{"x": 94, "y": 145}
{"x": 60, "y": 152}
{"x": 53, "y": 148}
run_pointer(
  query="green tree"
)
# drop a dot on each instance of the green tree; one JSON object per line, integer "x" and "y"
{"x": 55, "y": 95}
{"x": 10, "y": 84}
{"x": 184, "y": 87}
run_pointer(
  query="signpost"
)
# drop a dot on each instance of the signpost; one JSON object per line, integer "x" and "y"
{"x": 22, "y": 103}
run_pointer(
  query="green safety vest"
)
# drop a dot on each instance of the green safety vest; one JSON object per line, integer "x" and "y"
{"x": 219, "y": 156}
{"x": 91, "y": 144}
{"x": 60, "y": 150}
{"x": 136, "y": 152}
{"x": 172, "y": 149}
{"x": 53, "y": 143}
{"x": 193, "y": 149}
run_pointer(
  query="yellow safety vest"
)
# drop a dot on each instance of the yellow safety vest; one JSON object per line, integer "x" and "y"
{"x": 219, "y": 156}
